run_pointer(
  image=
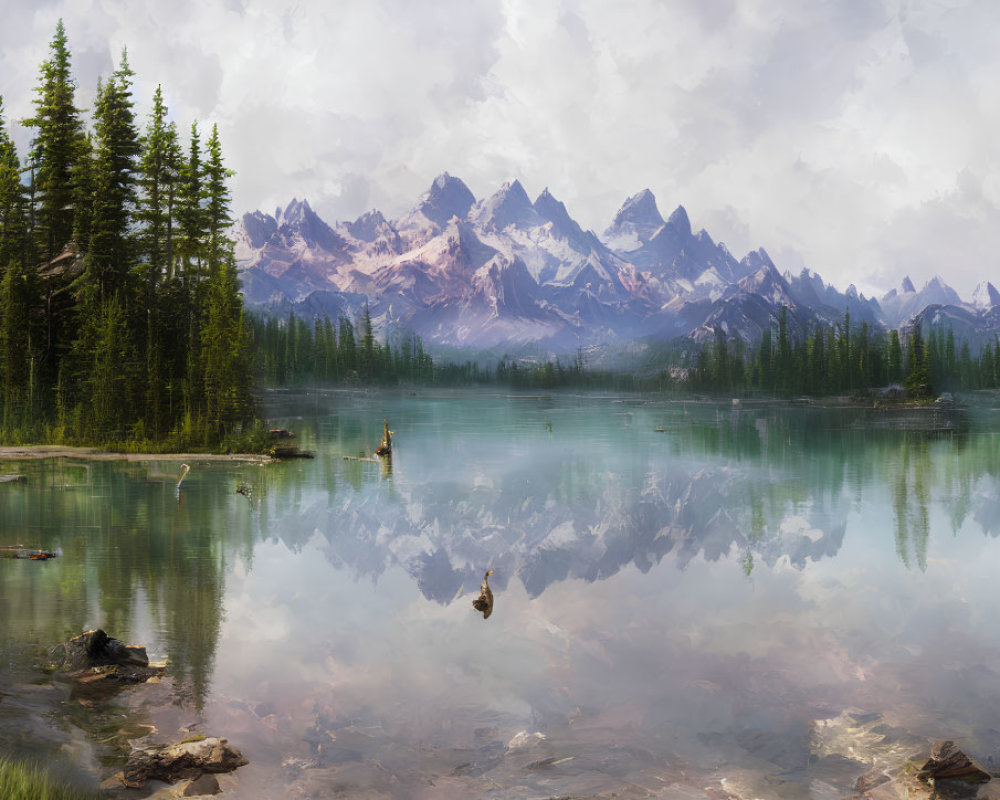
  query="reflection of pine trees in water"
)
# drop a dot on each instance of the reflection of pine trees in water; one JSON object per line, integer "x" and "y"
{"x": 124, "y": 539}
{"x": 910, "y": 497}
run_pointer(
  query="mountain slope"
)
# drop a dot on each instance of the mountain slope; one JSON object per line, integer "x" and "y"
{"x": 506, "y": 270}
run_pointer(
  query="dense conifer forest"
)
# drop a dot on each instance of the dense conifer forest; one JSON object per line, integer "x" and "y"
{"x": 844, "y": 359}
{"x": 120, "y": 314}
{"x": 840, "y": 359}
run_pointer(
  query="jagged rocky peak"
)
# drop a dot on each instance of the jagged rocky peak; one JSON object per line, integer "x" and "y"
{"x": 937, "y": 291}
{"x": 679, "y": 220}
{"x": 259, "y": 228}
{"x": 298, "y": 219}
{"x": 635, "y": 224}
{"x": 985, "y": 296}
{"x": 509, "y": 206}
{"x": 907, "y": 286}
{"x": 807, "y": 276}
{"x": 550, "y": 208}
{"x": 448, "y": 197}
{"x": 756, "y": 259}
{"x": 369, "y": 226}
{"x": 296, "y": 211}
{"x": 554, "y": 211}
{"x": 640, "y": 209}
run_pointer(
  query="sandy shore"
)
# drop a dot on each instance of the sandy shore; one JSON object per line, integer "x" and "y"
{"x": 96, "y": 454}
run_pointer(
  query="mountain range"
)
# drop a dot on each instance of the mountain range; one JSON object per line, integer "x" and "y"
{"x": 508, "y": 272}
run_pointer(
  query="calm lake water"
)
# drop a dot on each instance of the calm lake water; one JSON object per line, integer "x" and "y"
{"x": 690, "y": 600}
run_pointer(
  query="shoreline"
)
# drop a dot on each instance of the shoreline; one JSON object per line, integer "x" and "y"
{"x": 40, "y": 451}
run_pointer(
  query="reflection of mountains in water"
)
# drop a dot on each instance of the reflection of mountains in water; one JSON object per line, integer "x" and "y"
{"x": 777, "y": 485}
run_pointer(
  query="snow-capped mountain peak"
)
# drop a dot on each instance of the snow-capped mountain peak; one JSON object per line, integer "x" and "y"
{"x": 985, "y": 296}
{"x": 463, "y": 272}
{"x": 639, "y": 210}
{"x": 509, "y": 206}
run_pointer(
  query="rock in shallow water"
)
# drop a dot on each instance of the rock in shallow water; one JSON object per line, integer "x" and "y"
{"x": 184, "y": 760}
{"x": 94, "y": 661}
{"x": 948, "y": 762}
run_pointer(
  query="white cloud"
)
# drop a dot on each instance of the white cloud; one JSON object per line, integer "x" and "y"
{"x": 843, "y": 136}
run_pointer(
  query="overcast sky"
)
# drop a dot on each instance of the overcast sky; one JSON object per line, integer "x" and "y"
{"x": 858, "y": 139}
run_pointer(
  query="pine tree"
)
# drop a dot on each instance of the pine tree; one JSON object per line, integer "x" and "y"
{"x": 13, "y": 227}
{"x": 918, "y": 377}
{"x": 227, "y": 378}
{"x": 159, "y": 170}
{"x": 367, "y": 344}
{"x": 895, "y": 357}
{"x": 190, "y": 216}
{"x": 115, "y": 162}
{"x": 55, "y": 148}
{"x": 19, "y": 367}
{"x": 784, "y": 366}
{"x": 217, "y": 216}
{"x": 346, "y": 348}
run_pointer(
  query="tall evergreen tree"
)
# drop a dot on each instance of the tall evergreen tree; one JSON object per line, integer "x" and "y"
{"x": 55, "y": 148}
{"x": 217, "y": 216}
{"x": 13, "y": 228}
{"x": 895, "y": 357}
{"x": 159, "y": 169}
{"x": 225, "y": 340}
{"x": 190, "y": 213}
{"x": 918, "y": 377}
{"x": 115, "y": 161}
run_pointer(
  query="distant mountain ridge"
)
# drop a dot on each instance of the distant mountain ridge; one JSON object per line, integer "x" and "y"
{"x": 504, "y": 271}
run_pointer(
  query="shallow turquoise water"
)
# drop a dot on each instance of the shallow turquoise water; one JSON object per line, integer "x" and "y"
{"x": 684, "y": 592}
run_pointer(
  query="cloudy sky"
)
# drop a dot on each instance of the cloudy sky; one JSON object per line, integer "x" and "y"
{"x": 858, "y": 138}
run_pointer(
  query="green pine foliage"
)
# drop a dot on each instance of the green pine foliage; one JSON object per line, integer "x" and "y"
{"x": 842, "y": 359}
{"x": 294, "y": 352}
{"x": 121, "y": 321}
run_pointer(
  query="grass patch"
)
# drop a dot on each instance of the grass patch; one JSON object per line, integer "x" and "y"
{"x": 31, "y": 782}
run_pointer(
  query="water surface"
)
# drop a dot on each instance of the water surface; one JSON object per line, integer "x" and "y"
{"x": 690, "y": 599}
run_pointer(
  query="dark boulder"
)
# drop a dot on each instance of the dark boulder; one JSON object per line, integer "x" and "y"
{"x": 94, "y": 660}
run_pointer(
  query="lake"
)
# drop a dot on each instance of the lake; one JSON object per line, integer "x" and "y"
{"x": 691, "y": 599}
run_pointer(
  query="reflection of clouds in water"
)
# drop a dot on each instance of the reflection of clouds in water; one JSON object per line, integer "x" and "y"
{"x": 986, "y": 506}
{"x": 696, "y": 662}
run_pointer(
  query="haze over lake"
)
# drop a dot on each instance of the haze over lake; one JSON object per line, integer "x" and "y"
{"x": 689, "y": 597}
